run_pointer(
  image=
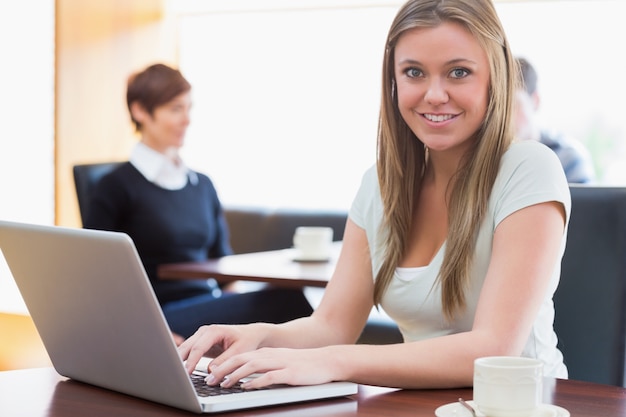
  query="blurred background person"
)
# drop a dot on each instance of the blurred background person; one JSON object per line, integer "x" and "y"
{"x": 574, "y": 157}
{"x": 173, "y": 213}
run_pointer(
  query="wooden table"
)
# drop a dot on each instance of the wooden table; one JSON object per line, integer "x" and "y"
{"x": 275, "y": 267}
{"x": 42, "y": 392}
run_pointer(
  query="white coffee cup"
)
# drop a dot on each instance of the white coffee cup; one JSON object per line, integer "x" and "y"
{"x": 313, "y": 243}
{"x": 508, "y": 386}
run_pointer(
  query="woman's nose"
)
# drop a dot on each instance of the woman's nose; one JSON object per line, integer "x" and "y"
{"x": 436, "y": 93}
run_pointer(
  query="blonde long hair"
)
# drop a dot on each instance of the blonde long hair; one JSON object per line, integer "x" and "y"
{"x": 402, "y": 156}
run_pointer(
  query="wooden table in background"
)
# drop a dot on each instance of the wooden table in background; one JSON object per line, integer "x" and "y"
{"x": 42, "y": 392}
{"x": 274, "y": 267}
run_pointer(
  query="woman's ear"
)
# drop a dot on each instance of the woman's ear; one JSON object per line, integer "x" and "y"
{"x": 138, "y": 112}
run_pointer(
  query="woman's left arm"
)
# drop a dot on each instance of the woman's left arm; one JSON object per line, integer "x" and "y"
{"x": 526, "y": 248}
{"x": 525, "y": 251}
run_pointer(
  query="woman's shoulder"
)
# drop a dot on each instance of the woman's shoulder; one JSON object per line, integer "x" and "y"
{"x": 530, "y": 172}
{"x": 203, "y": 185}
{"x": 367, "y": 201}
{"x": 119, "y": 174}
{"x": 528, "y": 148}
{"x": 203, "y": 179}
{"x": 370, "y": 176}
{"x": 369, "y": 185}
{"x": 117, "y": 183}
{"x": 531, "y": 155}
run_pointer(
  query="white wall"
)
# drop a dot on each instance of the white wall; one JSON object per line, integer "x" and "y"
{"x": 27, "y": 122}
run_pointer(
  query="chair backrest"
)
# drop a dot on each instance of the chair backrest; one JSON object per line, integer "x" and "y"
{"x": 273, "y": 228}
{"x": 590, "y": 303}
{"x": 86, "y": 176}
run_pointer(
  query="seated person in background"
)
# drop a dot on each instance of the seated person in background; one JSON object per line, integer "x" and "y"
{"x": 173, "y": 214}
{"x": 574, "y": 157}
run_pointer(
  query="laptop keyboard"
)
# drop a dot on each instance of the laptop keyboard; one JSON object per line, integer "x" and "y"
{"x": 204, "y": 390}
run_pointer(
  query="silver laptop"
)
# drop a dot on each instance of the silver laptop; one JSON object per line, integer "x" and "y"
{"x": 101, "y": 324}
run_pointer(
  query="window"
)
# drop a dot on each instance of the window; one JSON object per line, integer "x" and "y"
{"x": 575, "y": 46}
{"x": 286, "y": 98}
{"x": 285, "y": 103}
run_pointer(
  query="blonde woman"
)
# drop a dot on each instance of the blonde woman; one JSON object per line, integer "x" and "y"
{"x": 457, "y": 233}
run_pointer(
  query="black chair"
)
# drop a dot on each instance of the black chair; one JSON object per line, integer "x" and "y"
{"x": 590, "y": 302}
{"x": 85, "y": 178}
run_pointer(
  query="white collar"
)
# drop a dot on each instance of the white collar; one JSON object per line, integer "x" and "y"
{"x": 161, "y": 170}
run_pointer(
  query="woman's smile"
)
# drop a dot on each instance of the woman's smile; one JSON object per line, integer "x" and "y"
{"x": 438, "y": 118}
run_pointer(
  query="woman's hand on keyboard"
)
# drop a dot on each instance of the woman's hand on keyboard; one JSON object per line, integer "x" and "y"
{"x": 271, "y": 366}
{"x": 221, "y": 342}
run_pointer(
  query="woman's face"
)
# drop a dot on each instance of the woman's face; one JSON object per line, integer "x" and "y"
{"x": 166, "y": 127}
{"x": 442, "y": 79}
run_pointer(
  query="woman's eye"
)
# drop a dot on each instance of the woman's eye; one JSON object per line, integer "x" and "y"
{"x": 413, "y": 72}
{"x": 459, "y": 73}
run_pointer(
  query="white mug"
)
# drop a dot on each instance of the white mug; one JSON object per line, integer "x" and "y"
{"x": 508, "y": 386}
{"x": 313, "y": 243}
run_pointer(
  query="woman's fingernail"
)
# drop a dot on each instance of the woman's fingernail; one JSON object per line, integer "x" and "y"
{"x": 210, "y": 379}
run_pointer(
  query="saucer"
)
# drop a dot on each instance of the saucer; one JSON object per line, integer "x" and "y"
{"x": 455, "y": 409}
{"x": 311, "y": 259}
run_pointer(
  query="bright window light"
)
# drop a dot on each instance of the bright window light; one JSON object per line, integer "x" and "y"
{"x": 286, "y": 99}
